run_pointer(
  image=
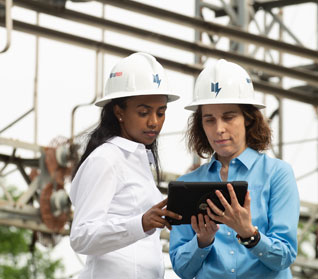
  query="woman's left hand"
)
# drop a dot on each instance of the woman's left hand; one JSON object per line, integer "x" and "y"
{"x": 235, "y": 216}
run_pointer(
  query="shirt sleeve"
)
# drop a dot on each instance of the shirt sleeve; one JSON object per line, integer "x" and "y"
{"x": 93, "y": 231}
{"x": 185, "y": 254}
{"x": 277, "y": 248}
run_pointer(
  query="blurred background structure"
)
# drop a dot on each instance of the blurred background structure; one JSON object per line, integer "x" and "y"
{"x": 55, "y": 55}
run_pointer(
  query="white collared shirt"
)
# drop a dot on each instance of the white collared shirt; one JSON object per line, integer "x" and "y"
{"x": 111, "y": 191}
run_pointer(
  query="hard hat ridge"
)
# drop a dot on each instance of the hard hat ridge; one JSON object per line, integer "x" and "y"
{"x": 223, "y": 82}
{"x": 138, "y": 74}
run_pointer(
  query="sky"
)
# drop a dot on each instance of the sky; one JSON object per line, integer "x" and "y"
{"x": 67, "y": 78}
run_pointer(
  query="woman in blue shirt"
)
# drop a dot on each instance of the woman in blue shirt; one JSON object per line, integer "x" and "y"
{"x": 258, "y": 239}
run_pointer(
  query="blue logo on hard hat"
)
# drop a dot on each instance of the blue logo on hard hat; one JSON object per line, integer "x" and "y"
{"x": 248, "y": 80}
{"x": 215, "y": 88}
{"x": 156, "y": 79}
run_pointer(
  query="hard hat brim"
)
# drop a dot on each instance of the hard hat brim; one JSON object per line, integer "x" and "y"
{"x": 103, "y": 101}
{"x": 194, "y": 105}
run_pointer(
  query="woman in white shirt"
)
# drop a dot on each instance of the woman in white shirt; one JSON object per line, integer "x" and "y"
{"x": 118, "y": 208}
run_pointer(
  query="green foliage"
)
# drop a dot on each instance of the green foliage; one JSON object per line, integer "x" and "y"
{"x": 14, "y": 241}
{"x": 306, "y": 238}
{"x": 20, "y": 258}
{"x": 18, "y": 262}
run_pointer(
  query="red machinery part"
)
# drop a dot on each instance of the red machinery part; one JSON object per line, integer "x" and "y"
{"x": 55, "y": 223}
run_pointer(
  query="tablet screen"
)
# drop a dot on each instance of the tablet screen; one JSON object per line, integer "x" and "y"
{"x": 189, "y": 198}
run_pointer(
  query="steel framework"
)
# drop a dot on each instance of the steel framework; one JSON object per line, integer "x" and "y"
{"x": 52, "y": 165}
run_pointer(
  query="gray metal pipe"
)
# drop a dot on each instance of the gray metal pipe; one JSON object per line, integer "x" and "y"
{"x": 194, "y": 70}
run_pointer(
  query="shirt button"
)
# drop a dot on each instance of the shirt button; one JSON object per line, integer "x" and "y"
{"x": 232, "y": 270}
{"x": 233, "y": 162}
{"x": 202, "y": 256}
{"x": 232, "y": 252}
{"x": 228, "y": 233}
{"x": 260, "y": 254}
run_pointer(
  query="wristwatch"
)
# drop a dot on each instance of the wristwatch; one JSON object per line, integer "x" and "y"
{"x": 250, "y": 241}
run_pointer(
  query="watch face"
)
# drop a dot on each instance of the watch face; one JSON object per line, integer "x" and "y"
{"x": 251, "y": 241}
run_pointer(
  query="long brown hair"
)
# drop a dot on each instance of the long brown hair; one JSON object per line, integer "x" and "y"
{"x": 258, "y": 133}
{"x": 109, "y": 127}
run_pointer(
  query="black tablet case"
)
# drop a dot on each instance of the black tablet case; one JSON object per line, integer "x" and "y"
{"x": 189, "y": 198}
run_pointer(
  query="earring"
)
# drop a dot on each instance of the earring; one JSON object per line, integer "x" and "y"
{"x": 120, "y": 120}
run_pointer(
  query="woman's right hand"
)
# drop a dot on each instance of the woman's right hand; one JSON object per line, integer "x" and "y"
{"x": 205, "y": 229}
{"x": 154, "y": 217}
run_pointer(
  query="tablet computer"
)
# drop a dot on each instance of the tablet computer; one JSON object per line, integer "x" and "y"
{"x": 189, "y": 198}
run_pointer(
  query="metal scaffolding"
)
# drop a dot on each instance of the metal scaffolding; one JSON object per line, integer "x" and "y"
{"x": 45, "y": 207}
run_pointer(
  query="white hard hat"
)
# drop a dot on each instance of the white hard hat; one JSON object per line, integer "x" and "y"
{"x": 138, "y": 74}
{"x": 223, "y": 82}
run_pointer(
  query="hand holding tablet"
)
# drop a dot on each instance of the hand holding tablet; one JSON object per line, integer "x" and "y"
{"x": 190, "y": 198}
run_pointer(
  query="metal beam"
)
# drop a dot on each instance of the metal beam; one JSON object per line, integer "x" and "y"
{"x": 19, "y": 144}
{"x": 22, "y": 171}
{"x": 213, "y": 28}
{"x": 257, "y": 5}
{"x": 19, "y": 161}
{"x": 293, "y": 94}
{"x": 176, "y": 66}
{"x": 16, "y": 120}
{"x": 31, "y": 225}
{"x": 267, "y": 5}
{"x": 196, "y": 23}
{"x": 197, "y": 48}
{"x": 8, "y": 20}
{"x": 283, "y": 26}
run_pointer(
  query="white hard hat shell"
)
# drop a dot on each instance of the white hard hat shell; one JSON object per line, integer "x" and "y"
{"x": 223, "y": 82}
{"x": 138, "y": 74}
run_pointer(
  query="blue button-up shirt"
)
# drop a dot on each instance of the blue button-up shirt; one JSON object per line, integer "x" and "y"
{"x": 274, "y": 209}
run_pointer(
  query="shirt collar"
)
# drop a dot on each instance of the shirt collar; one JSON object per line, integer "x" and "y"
{"x": 131, "y": 146}
{"x": 247, "y": 158}
{"x": 126, "y": 144}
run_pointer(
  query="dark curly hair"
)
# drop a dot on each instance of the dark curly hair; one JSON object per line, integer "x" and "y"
{"x": 109, "y": 127}
{"x": 258, "y": 133}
